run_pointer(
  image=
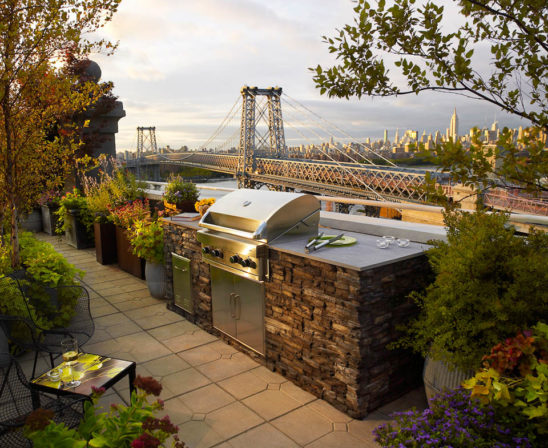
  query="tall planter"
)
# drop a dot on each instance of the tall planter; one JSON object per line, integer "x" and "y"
{"x": 126, "y": 260}
{"x": 105, "y": 243}
{"x": 156, "y": 279}
{"x": 49, "y": 219}
{"x": 77, "y": 236}
{"x": 438, "y": 377}
{"x": 33, "y": 221}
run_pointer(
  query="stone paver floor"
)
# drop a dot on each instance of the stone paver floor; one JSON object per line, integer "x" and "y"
{"x": 217, "y": 396}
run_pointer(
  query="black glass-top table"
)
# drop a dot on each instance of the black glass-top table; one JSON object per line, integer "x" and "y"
{"x": 91, "y": 370}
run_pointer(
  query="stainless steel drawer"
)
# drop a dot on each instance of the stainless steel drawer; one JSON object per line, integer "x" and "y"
{"x": 182, "y": 283}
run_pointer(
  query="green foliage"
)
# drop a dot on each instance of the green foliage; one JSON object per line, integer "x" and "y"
{"x": 73, "y": 202}
{"x": 515, "y": 378}
{"x": 178, "y": 190}
{"x": 489, "y": 284}
{"x": 147, "y": 239}
{"x": 49, "y": 268}
{"x": 119, "y": 427}
{"x": 114, "y": 188}
{"x": 428, "y": 55}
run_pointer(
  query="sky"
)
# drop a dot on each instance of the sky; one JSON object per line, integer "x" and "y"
{"x": 180, "y": 65}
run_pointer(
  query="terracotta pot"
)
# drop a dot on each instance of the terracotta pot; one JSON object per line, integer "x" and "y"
{"x": 105, "y": 242}
{"x": 127, "y": 261}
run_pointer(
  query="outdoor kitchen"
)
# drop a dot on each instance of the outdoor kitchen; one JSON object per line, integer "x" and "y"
{"x": 319, "y": 311}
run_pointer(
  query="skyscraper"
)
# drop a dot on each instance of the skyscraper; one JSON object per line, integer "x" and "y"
{"x": 454, "y": 126}
{"x": 385, "y": 136}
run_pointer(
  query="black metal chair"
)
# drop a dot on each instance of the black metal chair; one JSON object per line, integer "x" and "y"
{"x": 18, "y": 399}
{"x": 70, "y": 301}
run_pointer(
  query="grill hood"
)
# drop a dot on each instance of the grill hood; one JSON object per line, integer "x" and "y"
{"x": 263, "y": 215}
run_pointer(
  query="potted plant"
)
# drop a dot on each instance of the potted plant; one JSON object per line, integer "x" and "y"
{"x": 489, "y": 283}
{"x": 202, "y": 205}
{"x": 75, "y": 220}
{"x": 147, "y": 240}
{"x": 121, "y": 426}
{"x": 181, "y": 194}
{"x": 124, "y": 217}
{"x": 49, "y": 204}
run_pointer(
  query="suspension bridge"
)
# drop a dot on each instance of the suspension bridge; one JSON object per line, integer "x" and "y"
{"x": 256, "y": 154}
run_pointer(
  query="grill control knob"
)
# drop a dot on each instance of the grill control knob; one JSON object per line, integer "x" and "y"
{"x": 217, "y": 253}
{"x": 235, "y": 259}
{"x": 246, "y": 263}
{"x": 206, "y": 249}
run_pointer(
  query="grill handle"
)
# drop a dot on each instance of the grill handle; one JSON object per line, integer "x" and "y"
{"x": 241, "y": 233}
{"x": 233, "y": 298}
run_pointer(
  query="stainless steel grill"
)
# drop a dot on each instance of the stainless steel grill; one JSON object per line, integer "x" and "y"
{"x": 239, "y": 226}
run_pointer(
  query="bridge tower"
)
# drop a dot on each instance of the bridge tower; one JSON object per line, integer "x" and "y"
{"x": 146, "y": 141}
{"x": 252, "y": 114}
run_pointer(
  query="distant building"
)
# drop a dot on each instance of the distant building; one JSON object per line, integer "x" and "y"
{"x": 453, "y": 133}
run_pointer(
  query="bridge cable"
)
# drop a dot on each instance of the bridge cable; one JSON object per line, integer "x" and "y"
{"x": 342, "y": 131}
{"x": 229, "y": 116}
{"x": 338, "y": 164}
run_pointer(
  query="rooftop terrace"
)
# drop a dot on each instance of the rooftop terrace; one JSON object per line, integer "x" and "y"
{"x": 217, "y": 395}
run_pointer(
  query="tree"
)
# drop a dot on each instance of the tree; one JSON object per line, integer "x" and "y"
{"x": 429, "y": 58}
{"x": 418, "y": 51}
{"x": 38, "y": 93}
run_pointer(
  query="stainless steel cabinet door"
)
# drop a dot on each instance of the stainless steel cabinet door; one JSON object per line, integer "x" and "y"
{"x": 249, "y": 313}
{"x": 182, "y": 283}
{"x": 223, "y": 301}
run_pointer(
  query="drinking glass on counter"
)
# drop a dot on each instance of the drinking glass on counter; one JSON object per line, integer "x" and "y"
{"x": 69, "y": 347}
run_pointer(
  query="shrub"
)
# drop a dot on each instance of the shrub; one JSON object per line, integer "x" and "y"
{"x": 454, "y": 419}
{"x": 45, "y": 267}
{"x": 74, "y": 201}
{"x": 515, "y": 378}
{"x": 147, "y": 240}
{"x": 489, "y": 284}
{"x": 121, "y": 426}
{"x": 128, "y": 214}
{"x": 178, "y": 190}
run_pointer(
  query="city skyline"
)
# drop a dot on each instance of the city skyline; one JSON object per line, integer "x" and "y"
{"x": 180, "y": 66}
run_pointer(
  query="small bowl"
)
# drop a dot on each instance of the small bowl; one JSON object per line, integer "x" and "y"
{"x": 55, "y": 374}
{"x": 383, "y": 244}
{"x": 389, "y": 239}
{"x": 402, "y": 242}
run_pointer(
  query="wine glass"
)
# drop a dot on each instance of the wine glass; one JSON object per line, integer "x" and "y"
{"x": 69, "y": 347}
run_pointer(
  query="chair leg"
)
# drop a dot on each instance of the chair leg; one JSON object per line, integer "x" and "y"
{"x": 34, "y": 365}
{"x": 51, "y": 360}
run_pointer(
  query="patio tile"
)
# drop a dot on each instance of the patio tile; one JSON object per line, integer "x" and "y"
{"x": 188, "y": 340}
{"x": 119, "y": 296}
{"x": 172, "y": 330}
{"x": 165, "y": 366}
{"x": 100, "y": 307}
{"x": 206, "y": 399}
{"x": 329, "y": 411}
{"x": 268, "y": 376}
{"x": 264, "y": 436}
{"x": 338, "y": 440}
{"x": 363, "y": 429}
{"x": 296, "y": 393}
{"x": 270, "y": 404}
{"x": 207, "y": 353}
{"x": 153, "y": 316}
{"x": 198, "y": 434}
{"x": 183, "y": 382}
{"x": 227, "y": 367}
{"x": 243, "y": 385}
{"x": 232, "y": 420}
{"x": 116, "y": 325}
{"x": 137, "y": 302}
{"x": 303, "y": 425}
{"x": 177, "y": 411}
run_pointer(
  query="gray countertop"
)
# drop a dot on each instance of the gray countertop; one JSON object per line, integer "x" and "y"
{"x": 361, "y": 256}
